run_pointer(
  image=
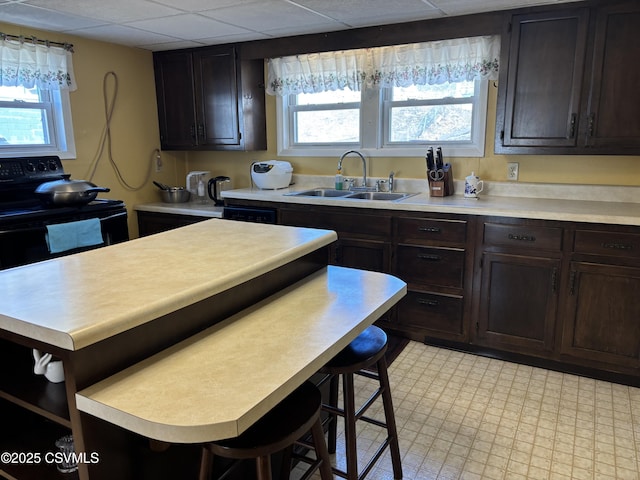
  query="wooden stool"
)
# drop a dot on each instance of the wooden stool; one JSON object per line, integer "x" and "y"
{"x": 364, "y": 351}
{"x": 279, "y": 430}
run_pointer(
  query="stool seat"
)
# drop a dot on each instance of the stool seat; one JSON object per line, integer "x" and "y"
{"x": 363, "y": 351}
{"x": 278, "y": 430}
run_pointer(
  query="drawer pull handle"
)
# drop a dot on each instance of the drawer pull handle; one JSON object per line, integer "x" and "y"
{"x": 618, "y": 246}
{"x": 430, "y": 258}
{"x": 523, "y": 238}
{"x": 429, "y": 229}
{"x": 428, "y": 302}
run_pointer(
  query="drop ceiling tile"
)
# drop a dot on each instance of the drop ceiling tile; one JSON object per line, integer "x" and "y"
{"x": 355, "y": 12}
{"x": 268, "y": 15}
{"x": 123, "y": 35}
{"x": 187, "y": 27}
{"x": 201, "y": 5}
{"x": 115, "y": 11}
{"x": 42, "y": 18}
{"x": 463, "y": 7}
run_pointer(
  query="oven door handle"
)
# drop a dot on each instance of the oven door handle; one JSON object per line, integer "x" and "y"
{"x": 43, "y": 228}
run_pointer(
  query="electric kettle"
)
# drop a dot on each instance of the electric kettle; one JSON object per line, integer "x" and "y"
{"x": 216, "y": 183}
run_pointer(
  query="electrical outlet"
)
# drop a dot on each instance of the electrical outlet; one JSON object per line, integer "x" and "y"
{"x": 512, "y": 171}
{"x": 158, "y": 162}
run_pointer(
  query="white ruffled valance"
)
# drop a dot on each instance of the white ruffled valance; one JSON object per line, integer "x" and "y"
{"x": 29, "y": 63}
{"x": 455, "y": 60}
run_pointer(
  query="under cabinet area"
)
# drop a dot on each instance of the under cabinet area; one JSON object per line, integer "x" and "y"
{"x": 568, "y": 87}
{"x": 210, "y": 99}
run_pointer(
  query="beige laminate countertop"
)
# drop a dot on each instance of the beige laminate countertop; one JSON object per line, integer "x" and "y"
{"x": 80, "y": 299}
{"x": 219, "y": 382}
{"x": 573, "y": 203}
{"x": 194, "y": 209}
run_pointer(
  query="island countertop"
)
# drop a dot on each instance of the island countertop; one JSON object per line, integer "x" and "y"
{"x": 74, "y": 301}
{"x": 219, "y": 382}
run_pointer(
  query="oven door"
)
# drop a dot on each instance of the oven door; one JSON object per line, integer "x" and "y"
{"x": 20, "y": 245}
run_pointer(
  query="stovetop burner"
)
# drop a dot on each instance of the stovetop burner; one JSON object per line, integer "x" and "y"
{"x": 19, "y": 178}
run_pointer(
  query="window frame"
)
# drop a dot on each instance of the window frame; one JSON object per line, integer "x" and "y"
{"x": 373, "y": 126}
{"x": 59, "y": 125}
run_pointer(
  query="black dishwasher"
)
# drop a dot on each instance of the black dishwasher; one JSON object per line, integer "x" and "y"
{"x": 250, "y": 214}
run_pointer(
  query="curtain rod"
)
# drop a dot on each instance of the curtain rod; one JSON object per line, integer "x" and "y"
{"x": 33, "y": 39}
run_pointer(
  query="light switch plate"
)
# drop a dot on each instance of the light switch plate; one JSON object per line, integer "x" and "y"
{"x": 512, "y": 171}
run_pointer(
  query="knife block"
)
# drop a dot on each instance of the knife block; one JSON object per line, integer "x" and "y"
{"x": 444, "y": 187}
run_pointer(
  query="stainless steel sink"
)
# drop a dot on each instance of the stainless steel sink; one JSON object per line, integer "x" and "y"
{"x": 320, "y": 192}
{"x": 347, "y": 194}
{"x": 388, "y": 196}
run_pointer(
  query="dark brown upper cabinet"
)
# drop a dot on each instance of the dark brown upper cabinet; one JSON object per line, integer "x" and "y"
{"x": 208, "y": 99}
{"x": 569, "y": 85}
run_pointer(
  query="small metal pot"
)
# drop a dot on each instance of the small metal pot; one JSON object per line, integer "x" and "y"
{"x": 64, "y": 193}
{"x": 175, "y": 195}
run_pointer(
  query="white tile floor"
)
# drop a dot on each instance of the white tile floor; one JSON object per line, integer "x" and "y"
{"x": 462, "y": 416}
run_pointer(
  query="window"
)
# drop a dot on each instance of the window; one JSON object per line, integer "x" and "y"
{"x": 35, "y": 121}
{"x": 392, "y": 121}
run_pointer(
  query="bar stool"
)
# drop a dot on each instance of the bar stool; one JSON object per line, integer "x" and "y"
{"x": 366, "y": 350}
{"x": 278, "y": 430}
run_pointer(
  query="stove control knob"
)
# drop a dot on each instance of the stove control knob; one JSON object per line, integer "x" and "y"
{"x": 53, "y": 166}
{"x": 42, "y": 167}
{"x": 31, "y": 167}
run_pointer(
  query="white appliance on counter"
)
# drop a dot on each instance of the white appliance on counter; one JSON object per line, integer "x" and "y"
{"x": 271, "y": 174}
{"x": 196, "y": 183}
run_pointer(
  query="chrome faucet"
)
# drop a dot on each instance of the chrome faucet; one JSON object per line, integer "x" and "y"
{"x": 364, "y": 165}
{"x": 391, "y": 179}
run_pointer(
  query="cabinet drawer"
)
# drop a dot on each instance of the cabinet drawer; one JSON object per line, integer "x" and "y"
{"x": 430, "y": 265}
{"x": 431, "y": 231}
{"x": 437, "y": 313}
{"x": 524, "y": 236}
{"x": 607, "y": 243}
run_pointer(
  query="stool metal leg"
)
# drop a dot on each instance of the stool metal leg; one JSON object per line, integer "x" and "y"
{"x": 389, "y": 414}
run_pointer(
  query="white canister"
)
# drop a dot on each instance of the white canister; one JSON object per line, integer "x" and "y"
{"x": 472, "y": 186}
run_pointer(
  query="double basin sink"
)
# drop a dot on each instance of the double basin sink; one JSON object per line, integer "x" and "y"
{"x": 350, "y": 194}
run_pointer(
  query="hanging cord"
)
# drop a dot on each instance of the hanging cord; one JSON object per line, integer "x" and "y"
{"x": 105, "y": 138}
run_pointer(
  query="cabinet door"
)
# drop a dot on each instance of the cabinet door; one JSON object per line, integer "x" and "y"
{"x": 519, "y": 296}
{"x": 216, "y": 95}
{"x": 613, "y": 119}
{"x": 364, "y": 254}
{"x": 176, "y": 107}
{"x": 601, "y": 323}
{"x": 543, "y": 84}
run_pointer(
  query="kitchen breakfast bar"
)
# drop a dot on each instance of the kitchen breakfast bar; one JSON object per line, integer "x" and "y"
{"x": 170, "y": 340}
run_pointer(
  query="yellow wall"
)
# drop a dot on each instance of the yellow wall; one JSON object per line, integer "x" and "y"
{"x": 595, "y": 169}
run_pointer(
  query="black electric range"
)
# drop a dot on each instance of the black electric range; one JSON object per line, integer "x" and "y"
{"x": 24, "y": 219}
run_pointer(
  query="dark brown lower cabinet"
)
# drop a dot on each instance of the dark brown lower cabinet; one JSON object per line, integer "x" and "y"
{"x": 518, "y": 303}
{"x": 602, "y": 323}
{"x": 153, "y": 222}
